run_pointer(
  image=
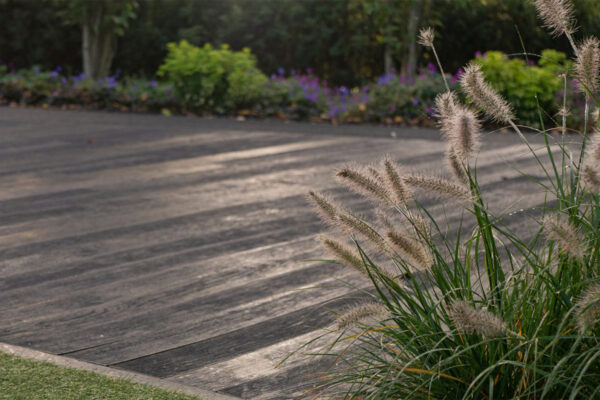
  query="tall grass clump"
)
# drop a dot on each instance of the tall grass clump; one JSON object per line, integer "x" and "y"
{"x": 478, "y": 311}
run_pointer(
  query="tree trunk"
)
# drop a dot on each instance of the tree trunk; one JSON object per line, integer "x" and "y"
{"x": 98, "y": 42}
{"x": 388, "y": 59}
{"x": 410, "y": 59}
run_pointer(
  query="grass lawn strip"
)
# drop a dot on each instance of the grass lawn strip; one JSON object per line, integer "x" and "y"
{"x": 26, "y": 379}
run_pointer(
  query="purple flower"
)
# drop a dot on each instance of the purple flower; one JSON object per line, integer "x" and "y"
{"x": 153, "y": 84}
{"x": 54, "y": 74}
{"x": 415, "y": 101}
{"x": 478, "y": 53}
{"x": 280, "y": 71}
{"x": 456, "y": 76}
{"x": 311, "y": 96}
{"x": 333, "y": 111}
{"x": 531, "y": 62}
{"x": 431, "y": 69}
{"x": 64, "y": 81}
{"x": 58, "y": 69}
{"x": 385, "y": 79}
{"x": 110, "y": 82}
{"x": 79, "y": 77}
{"x": 309, "y": 70}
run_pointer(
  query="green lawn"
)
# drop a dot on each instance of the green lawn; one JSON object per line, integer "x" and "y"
{"x": 23, "y": 379}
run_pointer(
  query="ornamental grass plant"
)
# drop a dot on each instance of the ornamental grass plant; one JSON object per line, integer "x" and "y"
{"x": 480, "y": 311}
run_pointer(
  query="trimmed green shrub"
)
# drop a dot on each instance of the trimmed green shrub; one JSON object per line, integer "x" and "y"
{"x": 219, "y": 80}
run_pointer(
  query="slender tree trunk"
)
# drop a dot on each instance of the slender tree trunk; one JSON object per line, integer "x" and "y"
{"x": 388, "y": 59}
{"x": 98, "y": 42}
{"x": 410, "y": 59}
{"x": 388, "y": 52}
{"x": 85, "y": 41}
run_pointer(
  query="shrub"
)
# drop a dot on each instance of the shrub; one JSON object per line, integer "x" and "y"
{"x": 210, "y": 79}
{"x": 394, "y": 96}
{"x": 479, "y": 312}
{"x": 524, "y": 85}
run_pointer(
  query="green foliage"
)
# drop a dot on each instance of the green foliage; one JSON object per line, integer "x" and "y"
{"x": 33, "y": 33}
{"x": 343, "y": 41}
{"x": 525, "y": 85}
{"x": 51, "y": 88}
{"x": 115, "y": 15}
{"x": 533, "y": 295}
{"x": 472, "y": 308}
{"x": 212, "y": 79}
{"x": 404, "y": 97}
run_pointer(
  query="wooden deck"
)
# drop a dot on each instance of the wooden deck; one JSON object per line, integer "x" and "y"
{"x": 176, "y": 247}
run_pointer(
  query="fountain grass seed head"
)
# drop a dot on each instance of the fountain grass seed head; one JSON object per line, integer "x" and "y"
{"x": 557, "y": 16}
{"x": 469, "y": 319}
{"x": 473, "y": 83}
{"x": 587, "y": 66}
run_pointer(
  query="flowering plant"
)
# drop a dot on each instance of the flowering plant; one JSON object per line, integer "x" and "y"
{"x": 476, "y": 312}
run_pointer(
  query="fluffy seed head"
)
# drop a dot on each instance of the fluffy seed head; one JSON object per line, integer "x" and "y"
{"x": 557, "y": 16}
{"x": 350, "y": 257}
{"x": 456, "y": 167}
{"x": 410, "y": 248}
{"x": 343, "y": 253}
{"x": 464, "y": 133}
{"x": 589, "y": 171}
{"x": 473, "y": 83}
{"x": 363, "y": 184}
{"x": 587, "y": 309}
{"x": 565, "y": 235}
{"x": 359, "y": 313}
{"x": 587, "y": 66}
{"x": 591, "y": 178}
{"x": 326, "y": 208}
{"x": 595, "y": 116}
{"x": 375, "y": 174}
{"x": 395, "y": 183}
{"x": 426, "y": 37}
{"x": 439, "y": 186}
{"x": 468, "y": 319}
{"x": 445, "y": 103}
{"x": 355, "y": 224}
{"x": 592, "y": 155}
{"x": 563, "y": 112}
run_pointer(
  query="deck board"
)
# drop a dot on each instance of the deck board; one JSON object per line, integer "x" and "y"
{"x": 177, "y": 247}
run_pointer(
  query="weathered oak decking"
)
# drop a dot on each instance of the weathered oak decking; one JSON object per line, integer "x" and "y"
{"x": 175, "y": 246}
